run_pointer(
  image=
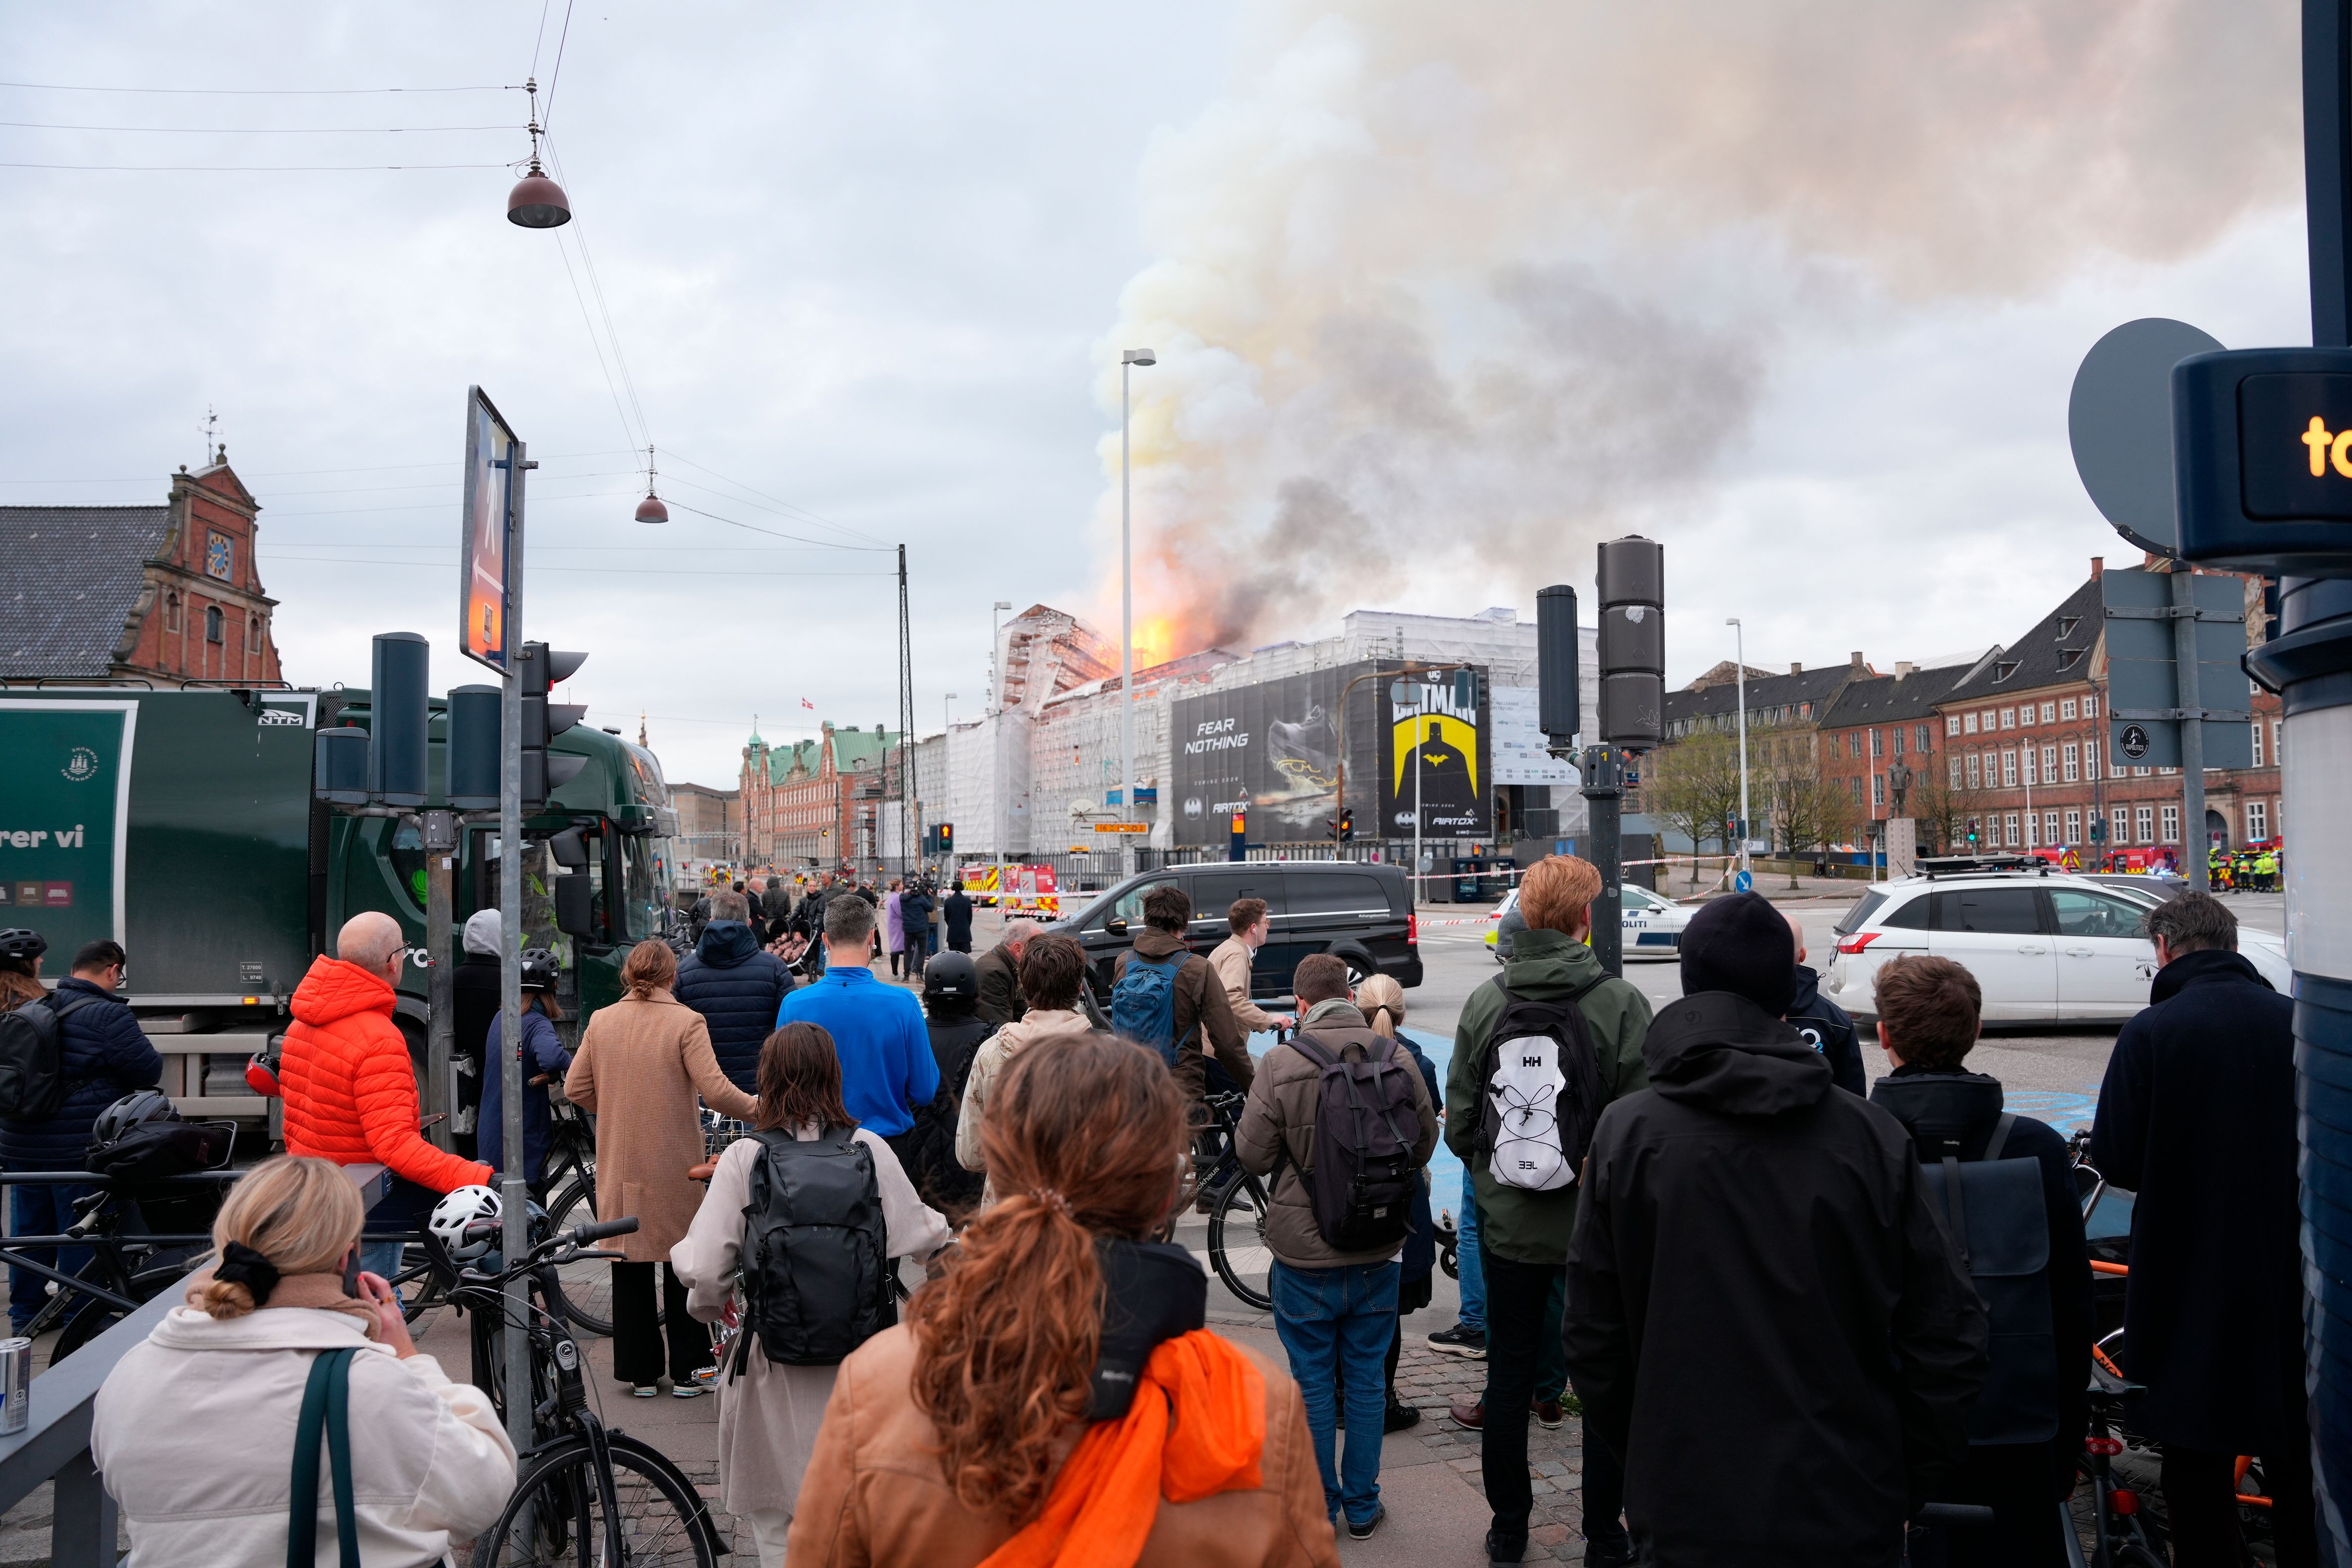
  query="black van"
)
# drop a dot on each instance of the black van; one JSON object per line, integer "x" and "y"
{"x": 1358, "y": 910}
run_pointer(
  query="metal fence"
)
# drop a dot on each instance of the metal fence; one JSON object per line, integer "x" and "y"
{"x": 55, "y": 1443}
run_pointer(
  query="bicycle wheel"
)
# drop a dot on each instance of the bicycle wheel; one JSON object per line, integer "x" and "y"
{"x": 658, "y": 1513}
{"x": 585, "y": 1286}
{"x": 1237, "y": 1249}
{"x": 418, "y": 1282}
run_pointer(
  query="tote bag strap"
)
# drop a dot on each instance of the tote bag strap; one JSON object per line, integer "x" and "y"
{"x": 326, "y": 1407}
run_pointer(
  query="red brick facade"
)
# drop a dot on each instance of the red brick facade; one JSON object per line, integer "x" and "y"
{"x": 203, "y": 616}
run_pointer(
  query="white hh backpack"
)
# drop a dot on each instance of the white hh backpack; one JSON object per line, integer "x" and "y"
{"x": 1542, "y": 1092}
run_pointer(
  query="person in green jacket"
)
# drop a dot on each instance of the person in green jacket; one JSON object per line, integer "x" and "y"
{"x": 1523, "y": 1232}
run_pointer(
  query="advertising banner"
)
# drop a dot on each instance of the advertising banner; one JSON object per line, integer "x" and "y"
{"x": 485, "y": 552}
{"x": 62, "y": 837}
{"x": 1272, "y": 750}
{"x": 1431, "y": 742}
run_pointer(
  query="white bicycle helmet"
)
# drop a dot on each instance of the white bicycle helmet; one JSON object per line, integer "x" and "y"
{"x": 466, "y": 1221}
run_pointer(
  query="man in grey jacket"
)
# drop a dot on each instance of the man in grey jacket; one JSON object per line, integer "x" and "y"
{"x": 1335, "y": 1310}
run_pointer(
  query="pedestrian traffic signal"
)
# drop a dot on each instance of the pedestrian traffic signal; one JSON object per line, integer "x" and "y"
{"x": 1465, "y": 690}
{"x": 1559, "y": 701}
{"x": 474, "y": 759}
{"x": 1633, "y": 576}
{"x": 538, "y": 669}
{"x": 398, "y": 710}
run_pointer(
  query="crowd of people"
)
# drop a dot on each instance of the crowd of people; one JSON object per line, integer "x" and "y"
{"x": 1787, "y": 1314}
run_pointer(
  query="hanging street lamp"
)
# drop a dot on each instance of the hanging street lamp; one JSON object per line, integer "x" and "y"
{"x": 651, "y": 509}
{"x": 537, "y": 202}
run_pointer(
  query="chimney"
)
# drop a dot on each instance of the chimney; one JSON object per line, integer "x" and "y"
{"x": 2098, "y": 568}
{"x": 1904, "y": 669}
{"x": 1855, "y": 658}
{"x": 1795, "y": 669}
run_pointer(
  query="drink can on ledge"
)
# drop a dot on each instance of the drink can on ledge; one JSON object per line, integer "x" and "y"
{"x": 15, "y": 1385}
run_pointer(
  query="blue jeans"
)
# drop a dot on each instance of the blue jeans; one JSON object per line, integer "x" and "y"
{"x": 1465, "y": 1251}
{"x": 39, "y": 1209}
{"x": 1336, "y": 1324}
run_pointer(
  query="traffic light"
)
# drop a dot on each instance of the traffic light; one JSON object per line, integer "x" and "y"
{"x": 1559, "y": 704}
{"x": 540, "y": 668}
{"x": 947, "y": 837}
{"x": 1632, "y": 578}
{"x": 1347, "y": 825}
{"x": 1237, "y": 846}
{"x": 1972, "y": 834}
{"x": 398, "y": 709}
{"x": 474, "y": 759}
{"x": 1465, "y": 690}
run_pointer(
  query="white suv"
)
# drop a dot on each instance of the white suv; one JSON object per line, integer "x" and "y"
{"x": 2042, "y": 946}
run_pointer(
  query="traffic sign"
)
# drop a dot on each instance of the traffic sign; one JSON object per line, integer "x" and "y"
{"x": 2132, "y": 741}
{"x": 2119, "y": 423}
{"x": 2143, "y": 678}
{"x": 2265, "y": 464}
{"x": 1122, "y": 827}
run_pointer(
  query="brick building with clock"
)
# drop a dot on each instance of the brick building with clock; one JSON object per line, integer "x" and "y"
{"x": 169, "y": 593}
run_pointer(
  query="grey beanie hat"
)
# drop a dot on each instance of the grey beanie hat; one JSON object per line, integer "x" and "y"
{"x": 482, "y": 932}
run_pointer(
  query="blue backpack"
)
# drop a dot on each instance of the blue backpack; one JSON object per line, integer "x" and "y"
{"x": 1143, "y": 1007}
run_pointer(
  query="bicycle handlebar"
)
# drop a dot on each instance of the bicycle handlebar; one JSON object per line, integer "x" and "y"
{"x": 582, "y": 1235}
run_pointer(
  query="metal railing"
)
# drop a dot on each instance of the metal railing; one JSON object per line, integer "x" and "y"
{"x": 55, "y": 1443}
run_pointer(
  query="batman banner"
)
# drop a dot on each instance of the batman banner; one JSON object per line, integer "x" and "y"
{"x": 1431, "y": 744}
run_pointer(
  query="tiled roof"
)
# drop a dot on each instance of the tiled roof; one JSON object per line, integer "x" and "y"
{"x": 2057, "y": 650}
{"x": 1888, "y": 698}
{"x": 74, "y": 577}
{"x": 1814, "y": 686}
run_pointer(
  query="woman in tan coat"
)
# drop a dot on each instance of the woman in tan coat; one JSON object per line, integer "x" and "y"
{"x": 642, "y": 1063}
{"x": 1054, "y": 1396}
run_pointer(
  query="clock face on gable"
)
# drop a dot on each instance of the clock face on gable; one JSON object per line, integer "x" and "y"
{"x": 220, "y": 556}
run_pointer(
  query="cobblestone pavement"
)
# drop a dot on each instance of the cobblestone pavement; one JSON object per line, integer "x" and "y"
{"x": 1430, "y": 1381}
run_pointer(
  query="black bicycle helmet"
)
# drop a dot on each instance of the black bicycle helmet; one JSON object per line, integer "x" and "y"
{"x": 950, "y": 976}
{"x": 18, "y": 943}
{"x": 540, "y": 969}
{"x": 133, "y": 1109}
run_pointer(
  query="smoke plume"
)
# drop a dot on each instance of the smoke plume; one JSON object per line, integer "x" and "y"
{"x": 1448, "y": 292}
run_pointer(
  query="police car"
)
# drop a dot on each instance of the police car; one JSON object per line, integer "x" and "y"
{"x": 2044, "y": 946}
{"x": 1653, "y": 926}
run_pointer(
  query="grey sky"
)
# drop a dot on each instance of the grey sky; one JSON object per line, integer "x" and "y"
{"x": 1442, "y": 298}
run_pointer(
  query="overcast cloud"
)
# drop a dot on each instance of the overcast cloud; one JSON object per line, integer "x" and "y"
{"x": 1442, "y": 295}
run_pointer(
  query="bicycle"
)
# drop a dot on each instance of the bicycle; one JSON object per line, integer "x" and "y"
{"x": 586, "y": 1493}
{"x": 1238, "y": 1208}
{"x": 572, "y": 1154}
{"x": 129, "y": 1263}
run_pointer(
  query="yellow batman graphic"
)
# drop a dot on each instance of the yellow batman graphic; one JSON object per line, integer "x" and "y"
{"x": 1419, "y": 729}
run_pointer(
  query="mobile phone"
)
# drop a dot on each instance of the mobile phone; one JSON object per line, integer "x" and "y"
{"x": 352, "y": 1273}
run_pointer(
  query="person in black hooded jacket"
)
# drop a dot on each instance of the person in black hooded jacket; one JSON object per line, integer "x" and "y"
{"x": 1757, "y": 1274}
{"x": 2197, "y": 1119}
{"x": 737, "y": 987}
{"x": 1824, "y": 1023}
{"x": 1927, "y": 1013}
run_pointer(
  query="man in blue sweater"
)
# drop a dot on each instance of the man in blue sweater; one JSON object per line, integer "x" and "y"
{"x": 886, "y": 1066}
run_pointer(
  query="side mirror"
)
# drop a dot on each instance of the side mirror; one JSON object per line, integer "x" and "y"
{"x": 575, "y": 905}
{"x": 569, "y": 848}
{"x": 1115, "y": 926}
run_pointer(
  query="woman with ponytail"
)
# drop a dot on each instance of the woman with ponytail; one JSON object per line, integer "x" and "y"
{"x": 1052, "y": 1399}
{"x": 195, "y": 1429}
{"x": 1381, "y": 1000}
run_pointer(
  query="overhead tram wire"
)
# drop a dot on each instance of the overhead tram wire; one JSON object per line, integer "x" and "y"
{"x": 250, "y": 168}
{"x": 789, "y": 509}
{"x": 819, "y": 543}
{"x": 252, "y": 130}
{"x": 254, "y": 91}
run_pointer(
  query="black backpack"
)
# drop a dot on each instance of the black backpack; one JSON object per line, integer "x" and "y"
{"x": 816, "y": 1265}
{"x": 1994, "y": 1210}
{"x": 1539, "y": 1091}
{"x": 32, "y": 1065}
{"x": 1366, "y": 1124}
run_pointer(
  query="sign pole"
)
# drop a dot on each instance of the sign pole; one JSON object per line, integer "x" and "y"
{"x": 2194, "y": 846}
{"x": 513, "y": 1197}
{"x": 1604, "y": 789}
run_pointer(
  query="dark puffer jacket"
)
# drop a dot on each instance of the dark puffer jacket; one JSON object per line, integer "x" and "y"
{"x": 1826, "y": 1028}
{"x": 104, "y": 1056}
{"x": 736, "y": 987}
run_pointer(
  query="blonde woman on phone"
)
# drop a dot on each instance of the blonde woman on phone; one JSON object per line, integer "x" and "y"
{"x": 195, "y": 1427}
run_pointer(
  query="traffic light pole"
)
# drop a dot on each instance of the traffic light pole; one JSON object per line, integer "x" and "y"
{"x": 513, "y": 1197}
{"x": 1604, "y": 792}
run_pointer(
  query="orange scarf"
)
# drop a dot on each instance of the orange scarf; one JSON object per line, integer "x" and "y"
{"x": 1104, "y": 1501}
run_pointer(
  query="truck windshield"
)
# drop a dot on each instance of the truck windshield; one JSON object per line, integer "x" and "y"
{"x": 645, "y": 867}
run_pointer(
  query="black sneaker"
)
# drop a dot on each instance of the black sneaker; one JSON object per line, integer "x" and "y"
{"x": 1364, "y": 1531}
{"x": 1460, "y": 1340}
{"x": 1400, "y": 1415}
{"x": 1618, "y": 1554}
{"x": 1499, "y": 1553}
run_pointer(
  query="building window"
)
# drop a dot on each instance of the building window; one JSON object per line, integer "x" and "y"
{"x": 2009, "y": 826}
{"x": 2073, "y": 762}
{"x": 1975, "y": 779}
{"x": 171, "y": 624}
{"x": 2258, "y": 742}
{"x": 1853, "y": 742}
{"x": 212, "y": 622}
{"x": 1896, "y": 736}
{"x": 2009, "y": 772}
{"x": 2258, "y": 821}
{"x": 2009, "y": 717}
{"x": 1922, "y": 733}
{"x": 2145, "y": 816}
{"x": 2049, "y": 764}
{"x": 2049, "y": 829}
{"x": 2049, "y": 713}
{"x": 2090, "y": 707}
{"x": 2068, "y": 708}
{"x": 1956, "y": 771}
{"x": 2278, "y": 743}
{"x": 2032, "y": 777}
{"x": 2172, "y": 825}
{"x": 2073, "y": 827}
{"x": 1952, "y": 724}
{"x": 2090, "y": 759}
{"x": 1855, "y": 786}
{"x": 2119, "y": 826}
{"x": 1878, "y": 789}
{"x": 1877, "y": 743}
{"x": 2032, "y": 840}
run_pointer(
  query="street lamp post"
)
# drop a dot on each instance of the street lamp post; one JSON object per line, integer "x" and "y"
{"x": 1739, "y": 675}
{"x": 1128, "y": 361}
{"x": 995, "y": 742}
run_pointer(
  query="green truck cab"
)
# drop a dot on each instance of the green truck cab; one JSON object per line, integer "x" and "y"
{"x": 183, "y": 824}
